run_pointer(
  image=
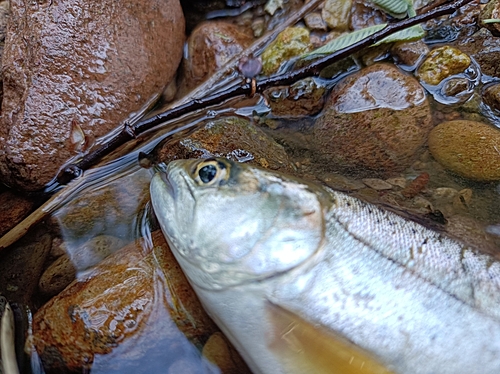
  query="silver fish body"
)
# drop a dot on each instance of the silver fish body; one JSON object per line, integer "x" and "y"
{"x": 250, "y": 241}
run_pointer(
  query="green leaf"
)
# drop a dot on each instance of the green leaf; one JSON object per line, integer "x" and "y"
{"x": 491, "y": 20}
{"x": 346, "y": 40}
{"x": 396, "y": 8}
{"x": 407, "y": 35}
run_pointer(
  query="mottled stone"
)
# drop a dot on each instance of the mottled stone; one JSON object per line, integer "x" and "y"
{"x": 303, "y": 98}
{"x": 467, "y": 148}
{"x": 73, "y": 70}
{"x": 232, "y": 137}
{"x": 104, "y": 323}
{"x": 376, "y": 120}
{"x": 485, "y": 49}
{"x": 291, "y": 42}
{"x": 491, "y": 11}
{"x": 441, "y": 63}
{"x": 409, "y": 53}
{"x": 491, "y": 96}
{"x": 336, "y": 14}
{"x": 364, "y": 15}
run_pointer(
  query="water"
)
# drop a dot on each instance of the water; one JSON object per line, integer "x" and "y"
{"x": 134, "y": 311}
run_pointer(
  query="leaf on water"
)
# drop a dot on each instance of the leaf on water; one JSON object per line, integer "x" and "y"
{"x": 407, "y": 35}
{"x": 491, "y": 20}
{"x": 396, "y": 8}
{"x": 346, "y": 40}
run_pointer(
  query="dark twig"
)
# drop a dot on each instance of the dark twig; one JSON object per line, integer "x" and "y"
{"x": 71, "y": 171}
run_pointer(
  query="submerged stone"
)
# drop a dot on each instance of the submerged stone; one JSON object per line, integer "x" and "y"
{"x": 376, "y": 120}
{"x": 467, "y": 148}
{"x": 441, "y": 63}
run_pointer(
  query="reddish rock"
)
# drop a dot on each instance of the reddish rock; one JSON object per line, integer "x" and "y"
{"x": 13, "y": 209}
{"x": 376, "y": 121}
{"x": 211, "y": 45}
{"x": 73, "y": 70}
{"x": 125, "y": 315}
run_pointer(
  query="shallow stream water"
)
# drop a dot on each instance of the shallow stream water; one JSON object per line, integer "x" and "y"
{"x": 148, "y": 314}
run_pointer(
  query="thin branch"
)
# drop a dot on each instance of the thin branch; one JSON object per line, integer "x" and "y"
{"x": 130, "y": 132}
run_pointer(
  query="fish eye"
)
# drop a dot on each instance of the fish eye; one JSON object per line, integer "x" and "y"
{"x": 207, "y": 173}
{"x": 210, "y": 172}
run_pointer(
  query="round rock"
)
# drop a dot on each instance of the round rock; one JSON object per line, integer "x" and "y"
{"x": 467, "y": 148}
{"x": 376, "y": 120}
{"x": 73, "y": 70}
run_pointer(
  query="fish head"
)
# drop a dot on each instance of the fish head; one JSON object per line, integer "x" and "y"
{"x": 229, "y": 223}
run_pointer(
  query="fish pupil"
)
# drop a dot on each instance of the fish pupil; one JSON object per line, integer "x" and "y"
{"x": 207, "y": 173}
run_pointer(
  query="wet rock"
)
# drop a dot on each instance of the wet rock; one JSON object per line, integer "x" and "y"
{"x": 73, "y": 70}
{"x": 336, "y": 14}
{"x": 491, "y": 96}
{"x": 467, "y": 148}
{"x": 112, "y": 208}
{"x": 219, "y": 351}
{"x": 377, "y": 184}
{"x": 485, "y": 49}
{"x": 57, "y": 276}
{"x": 64, "y": 270}
{"x": 21, "y": 265}
{"x": 441, "y": 63}
{"x": 314, "y": 21}
{"x": 302, "y": 98}
{"x": 375, "y": 120}
{"x": 4, "y": 17}
{"x": 232, "y": 137}
{"x": 409, "y": 53}
{"x": 210, "y": 46}
{"x": 291, "y": 42}
{"x": 13, "y": 209}
{"x": 491, "y": 11}
{"x": 363, "y": 15}
{"x": 103, "y": 323}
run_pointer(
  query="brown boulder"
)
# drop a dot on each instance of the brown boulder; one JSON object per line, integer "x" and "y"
{"x": 73, "y": 70}
{"x": 211, "y": 45}
{"x": 375, "y": 121}
{"x": 129, "y": 313}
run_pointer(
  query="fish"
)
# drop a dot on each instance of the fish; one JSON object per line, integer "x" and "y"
{"x": 285, "y": 267}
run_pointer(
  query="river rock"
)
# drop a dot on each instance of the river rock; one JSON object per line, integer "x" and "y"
{"x": 336, "y": 14}
{"x": 232, "y": 137}
{"x": 210, "y": 46}
{"x": 376, "y": 120}
{"x": 291, "y": 42}
{"x": 485, "y": 49}
{"x": 363, "y": 14}
{"x": 303, "y": 98}
{"x": 128, "y": 314}
{"x": 13, "y": 209}
{"x": 467, "y": 148}
{"x": 409, "y": 53}
{"x": 64, "y": 269}
{"x": 441, "y": 63}
{"x": 491, "y": 96}
{"x": 491, "y": 11}
{"x": 21, "y": 265}
{"x": 73, "y": 70}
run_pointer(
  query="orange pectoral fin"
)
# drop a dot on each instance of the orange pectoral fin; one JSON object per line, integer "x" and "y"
{"x": 305, "y": 348}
